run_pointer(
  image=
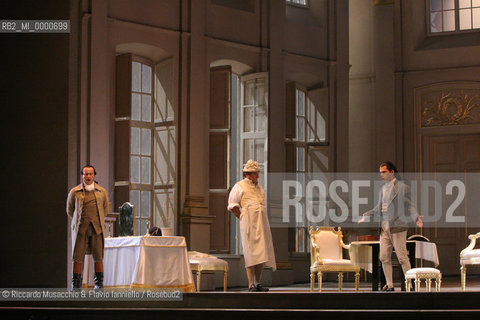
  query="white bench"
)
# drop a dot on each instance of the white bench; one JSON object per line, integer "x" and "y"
{"x": 427, "y": 274}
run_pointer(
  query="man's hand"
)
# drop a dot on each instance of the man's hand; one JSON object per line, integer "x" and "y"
{"x": 362, "y": 220}
{"x": 419, "y": 222}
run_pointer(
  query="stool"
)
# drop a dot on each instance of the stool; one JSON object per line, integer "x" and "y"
{"x": 418, "y": 274}
{"x": 200, "y": 262}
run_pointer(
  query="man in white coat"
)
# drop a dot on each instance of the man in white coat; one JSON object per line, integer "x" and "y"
{"x": 247, "y": 202}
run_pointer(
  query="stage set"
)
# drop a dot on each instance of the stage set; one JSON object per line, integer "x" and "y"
{"x": 143, "y": 262}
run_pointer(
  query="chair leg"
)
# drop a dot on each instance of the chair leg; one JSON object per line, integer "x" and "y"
{"x": 319, "y": 275}
{"x": 417, "y": 284}
{"x": 225, "y": 281}
{"x": 312, "y": 280}
{"x": 357, "y": 280}
{"x": 463, "y": 277}
{"x": 429, "y": 284}
{"x": 199, "y": 276}
{"x": 340, "y": 281}
{"x": 408, "y": 285}
{"x": 438, "y": 283}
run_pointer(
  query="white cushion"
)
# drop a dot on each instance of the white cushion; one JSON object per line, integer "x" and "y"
{"x": 204, "y": 259}
{"x": 471, "y": 254}
{"x": 335, "y": 262}
{"x": 414, "y": 271}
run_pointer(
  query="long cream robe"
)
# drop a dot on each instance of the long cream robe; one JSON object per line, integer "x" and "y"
{"x": 254, "y": 226}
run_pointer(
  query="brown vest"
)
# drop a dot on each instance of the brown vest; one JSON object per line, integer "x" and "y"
{"x": 90, "y": 212}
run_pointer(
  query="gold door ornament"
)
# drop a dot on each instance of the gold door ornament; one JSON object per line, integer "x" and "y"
{"x": 454, "y": 107}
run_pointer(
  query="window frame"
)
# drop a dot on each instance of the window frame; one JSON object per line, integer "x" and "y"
{"x": 457, "y": 30}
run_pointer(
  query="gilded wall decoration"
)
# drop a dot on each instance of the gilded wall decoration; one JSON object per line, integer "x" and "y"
{"x": 449, "y": 107}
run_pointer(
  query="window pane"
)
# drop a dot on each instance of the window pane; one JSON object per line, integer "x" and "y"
{"x": 135, "y": 106}
{"x": 250, "y": 93}
{"x": 448, "y": 20}
{"x": 146, "y": 161}
{"x": 436, "y": 22}
{"x": 146, "y": 141}
{"x": 300, "y": 159}
{"x": 248, "y": 150}
{"x": 300, "y": 103}
{"x": 259, "y": 150}
{"x": 476, "y": 18}
{"x": 464, "y": 3}
{"x": 435, "y": 5}
{"x": 135, "y": 136}
{"x": 136, "y": 71}
{"x": 161, "y": 156}
{"x": 137, "y": 227}
{"x": 135, "y": 169}
{"x": 465, "y": 16}
{"x": 161, "y": 208}
{"x": 135, "y": 200}
{"x": 300, "y": 129}
{"x": 248, "y": 119}
{"x": 448, "y": 4}
{"x": 146, "y": 108}
{"x": 260, "y": 92}
{"x": 143, "y": 227}
{"x": 146, "y": 78}
{"x": 260, "y": 119}
{"x": 145, "y": 210}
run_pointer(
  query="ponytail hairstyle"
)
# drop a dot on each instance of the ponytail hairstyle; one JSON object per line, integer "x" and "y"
{"x": 390, "y": 166}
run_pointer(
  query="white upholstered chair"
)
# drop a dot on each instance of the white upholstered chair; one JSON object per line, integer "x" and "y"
{"x": 469, "y": 256}
{"x": 326, "y": 246}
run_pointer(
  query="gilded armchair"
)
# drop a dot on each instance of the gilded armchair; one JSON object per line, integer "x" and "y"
{"x": 326, "y": 247}
{"x": 469, "y": 256}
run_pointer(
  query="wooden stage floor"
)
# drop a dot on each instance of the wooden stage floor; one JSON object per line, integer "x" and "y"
{"x": 290, "y": 302}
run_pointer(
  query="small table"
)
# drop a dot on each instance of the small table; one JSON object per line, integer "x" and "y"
{"x": 361, "y": 253}
{"x": 146, "y": 262}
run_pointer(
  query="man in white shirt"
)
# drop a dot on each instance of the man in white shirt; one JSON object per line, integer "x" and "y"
{"x": 247, "y": 202}
{"x": 395, "y": 209}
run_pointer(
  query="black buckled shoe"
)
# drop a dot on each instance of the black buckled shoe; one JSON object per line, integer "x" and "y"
{"x": 261, "y": 289}
{"x": 387, "y": 289}
{"x": 77, "y": 281}
{"x": 252, "y": 288}
{"x": 98, "y": 280}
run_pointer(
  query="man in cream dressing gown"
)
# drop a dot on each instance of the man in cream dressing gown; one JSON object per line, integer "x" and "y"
{"x": 247, "y": 202}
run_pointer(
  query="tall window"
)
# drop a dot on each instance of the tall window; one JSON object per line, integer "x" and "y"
{"x": 309, "y": 144}
{"x": 454, "y": 15}
{"x": 141, "y": 130}
{"x": 238, "y": 132}
{"x": 253, "y": 123}
{"x": 145, "y": 141}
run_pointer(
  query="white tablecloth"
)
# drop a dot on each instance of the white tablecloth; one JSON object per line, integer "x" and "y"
{"x": 146, "y": 262}
{"x": 361, "y": 253}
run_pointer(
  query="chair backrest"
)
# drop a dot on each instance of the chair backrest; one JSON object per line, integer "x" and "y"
{"x": 127, "y": 220}
{"x": 328, "y": 243}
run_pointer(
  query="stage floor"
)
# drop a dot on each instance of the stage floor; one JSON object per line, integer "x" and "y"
{"x": 449, "y": 284}
{"x": 282, "y": 302}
